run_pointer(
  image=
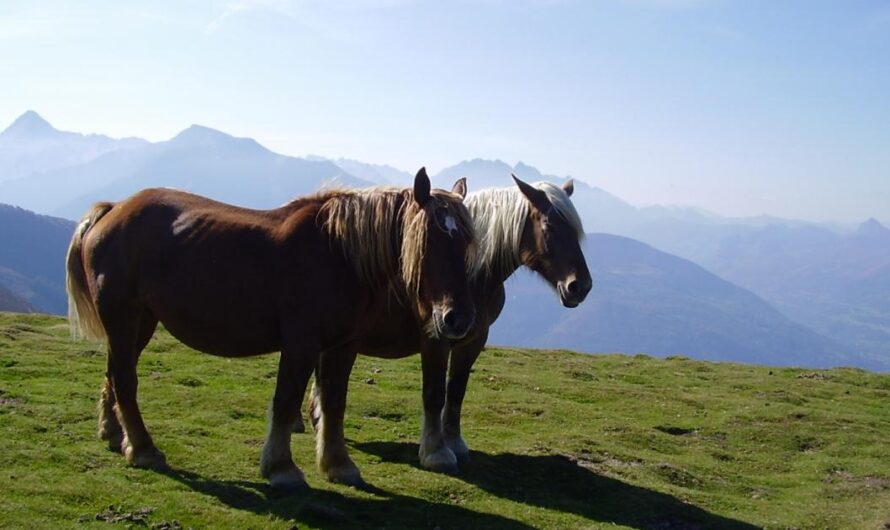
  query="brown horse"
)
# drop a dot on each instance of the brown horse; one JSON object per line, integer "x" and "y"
{"x": 300, "y": 279}
{"x": 536, "y": 226}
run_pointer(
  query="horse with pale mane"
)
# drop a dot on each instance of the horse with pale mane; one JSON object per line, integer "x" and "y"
{"x": 528, "y": 225}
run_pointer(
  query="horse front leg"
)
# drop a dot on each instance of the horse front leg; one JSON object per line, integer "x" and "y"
{"x": 462, "y": 359}
{"x": 434, "y": 453}
{"x": 294, "y": 369}
{"x": 327, "y": 408}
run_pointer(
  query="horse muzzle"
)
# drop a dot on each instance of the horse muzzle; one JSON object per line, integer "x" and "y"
{"x": 573, "y": 290}
{"x": 451, "y": 323}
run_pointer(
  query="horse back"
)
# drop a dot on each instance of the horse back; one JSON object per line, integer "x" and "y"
{"x": 222, "y": 279}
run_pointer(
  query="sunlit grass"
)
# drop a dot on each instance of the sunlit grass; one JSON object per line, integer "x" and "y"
{"x": 559, "y": 440}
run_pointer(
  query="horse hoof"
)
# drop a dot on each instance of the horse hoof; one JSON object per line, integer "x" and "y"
{"x": 115, "y": 440}
{"x": 299, "y": 427}
{"x": 461, "y": 451}
{"x": 291, "y": 481}
{"x": 150, "y": 458}
{"x": 349, "y": 476}
{"x": 442, "y": 461}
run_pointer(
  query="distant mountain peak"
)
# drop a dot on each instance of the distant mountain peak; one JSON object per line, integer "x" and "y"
{"x": 522, "y": 165}
{"x": 485, "y": 162}
{"x": 29, "y": 124}
{"x": 196, "y": 135}
{"x": 200, "y": 132}
{"x": 872, "y": 227}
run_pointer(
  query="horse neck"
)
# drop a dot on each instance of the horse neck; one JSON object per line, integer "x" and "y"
{"x": 502, "y": 257}
{"x": 376, "y": 269}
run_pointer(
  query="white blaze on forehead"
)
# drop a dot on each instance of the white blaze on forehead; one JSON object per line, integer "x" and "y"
{"x": 451, "y": 225}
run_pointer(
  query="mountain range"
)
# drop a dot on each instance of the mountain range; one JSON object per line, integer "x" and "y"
{"x": 199, "y": 159}
{"x": 800, "y": 293}
{"x": 32, "y": 145}
{"x": 648, "y": 301}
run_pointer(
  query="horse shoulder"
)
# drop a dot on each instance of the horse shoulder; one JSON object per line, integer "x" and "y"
{"x": 493, "y": 301}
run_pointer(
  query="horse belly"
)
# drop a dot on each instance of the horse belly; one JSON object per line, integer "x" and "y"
{"x": 394, "y": 336}
{"x": 229, "y": 316}
{"x": 224, "y": 337}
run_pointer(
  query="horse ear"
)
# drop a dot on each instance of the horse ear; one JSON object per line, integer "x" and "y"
{"x": 460, "y": 187}
{"x": 535, "y": 196}
{"x": 421, "y": 187}
{"x": 569, "y": 187}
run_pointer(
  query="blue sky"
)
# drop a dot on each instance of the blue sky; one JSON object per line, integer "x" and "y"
{"x": 741, "y": 107}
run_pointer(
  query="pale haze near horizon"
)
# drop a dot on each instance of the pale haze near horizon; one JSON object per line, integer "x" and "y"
{"x": 738, "y": 107}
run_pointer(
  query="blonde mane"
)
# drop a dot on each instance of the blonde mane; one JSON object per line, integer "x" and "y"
{"x": 367, "y": 224}
{"x": 499, "y": 216}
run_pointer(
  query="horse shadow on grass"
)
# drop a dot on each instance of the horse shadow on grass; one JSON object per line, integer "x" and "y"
{"x": 557, "y": 483}
{"x": 329, "y": 509}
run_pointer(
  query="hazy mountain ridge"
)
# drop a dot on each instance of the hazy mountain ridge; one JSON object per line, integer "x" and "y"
{"x": 835, "y": 283}
{"x": 645, "y": 300}
{"x": 834, "y": 280}
{"x": 31, "y": 145}
{"x": 199, "y": 159}
{"x": 376, "y": 173}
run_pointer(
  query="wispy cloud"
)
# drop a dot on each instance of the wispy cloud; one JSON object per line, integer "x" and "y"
{"x": 299, "y": 10}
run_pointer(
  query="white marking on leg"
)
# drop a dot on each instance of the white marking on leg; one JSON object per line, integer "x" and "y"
{"x": 277, "y": 446}
{"x": 320, "y": 434}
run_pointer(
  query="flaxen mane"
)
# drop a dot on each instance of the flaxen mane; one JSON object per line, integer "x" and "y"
{"x": 367, "y": 224}
{"x": 499, "y": 216}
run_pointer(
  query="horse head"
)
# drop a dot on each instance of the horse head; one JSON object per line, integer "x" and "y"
{"x": 550, "y": 243}
{"x": 437, "y": 247}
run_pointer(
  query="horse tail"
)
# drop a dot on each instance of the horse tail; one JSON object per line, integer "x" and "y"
{"x": 83, "y": 317}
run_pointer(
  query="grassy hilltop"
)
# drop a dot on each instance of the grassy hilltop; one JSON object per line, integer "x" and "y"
{"x": 559, "y": 440}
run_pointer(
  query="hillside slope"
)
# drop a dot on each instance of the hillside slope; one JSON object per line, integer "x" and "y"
{"x": 835, "y": 283}
{"x": 9, "y": 301}
{"x": 32, "y": 257}
{"x": 559, "y": 440}
{"x": 644, "y": 300}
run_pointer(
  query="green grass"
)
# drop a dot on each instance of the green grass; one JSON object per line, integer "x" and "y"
{"x": 559, "y": 440}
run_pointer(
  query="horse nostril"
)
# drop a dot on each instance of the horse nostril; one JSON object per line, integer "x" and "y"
{"x": 449, "y": 319}
{"x": 573, "y": 287}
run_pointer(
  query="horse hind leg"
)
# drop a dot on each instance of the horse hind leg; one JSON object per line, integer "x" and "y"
{"x": 110, "y": 429}
{"x": 313, "y": 405}
{"x": 126, "y": 338}
{"x": 311, "y": 402}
